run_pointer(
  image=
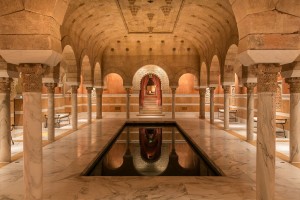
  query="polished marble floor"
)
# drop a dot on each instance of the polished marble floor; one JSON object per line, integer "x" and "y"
{"x": 65, "y": 159}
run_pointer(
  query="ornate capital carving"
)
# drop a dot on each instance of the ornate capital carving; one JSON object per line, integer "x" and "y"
{"x": 267, "y": 77}
{"x": 5, "y": 85}
{"x": 226, "y": 89}
{"x": 99, "y": 91}
{"x": 173, "y": 89}
{"x": 51, "y": 87}
{"x": 202, "y": 91}
{"x": 74, "y": 89}
{"x": 250, "y": 87}
{"x": 89, "y": 90}
{"x": 127, "y": 90}
{"x": 211, "y": 90}
{"x": 294, "y": 83}
{"x": 32, "y": 76}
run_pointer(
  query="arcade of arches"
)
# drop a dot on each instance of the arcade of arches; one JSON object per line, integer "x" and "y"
{"x": 215, "y": 67}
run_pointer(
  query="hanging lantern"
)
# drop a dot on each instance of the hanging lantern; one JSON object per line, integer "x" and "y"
{"x": 150, "y": 88}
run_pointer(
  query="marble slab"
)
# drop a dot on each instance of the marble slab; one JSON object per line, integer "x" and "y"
{"x": 65, "y": 159}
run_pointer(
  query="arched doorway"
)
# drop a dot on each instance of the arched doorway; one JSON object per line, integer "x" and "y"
{"x": 150, "y": 98}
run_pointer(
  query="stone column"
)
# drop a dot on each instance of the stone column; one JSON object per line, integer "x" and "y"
{"x": 294, "y": 118}
{"x": 226, "y": 89}
{"x": 127, "y": 103}
{"x": 250, "y": 110}
{"x": 32, "y": 130}
{"x": 202, "y": 92}
{"x": 212, "y": 105}
{"x": 99, "y": 92}
{"x": 89, "y": 102}
{"x": 51, "y": 112}
{"x": 173, "y": 102}
{"x": 74, "y": 107}
{"x": 266, "y": 130}
{"x": 5, "y": 135}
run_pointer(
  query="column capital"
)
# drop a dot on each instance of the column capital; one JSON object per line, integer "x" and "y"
{"x": 202, "y": 91}
{"x": 250, "y": 86}
{"x": 89, "y": 90}
{"x": 5, "y": 84}
{"x": 50, "y": 87}
{"x": 173, "y": 89}
{"x": 226, "y": 89}
{"x": 99, "y": 90}
{"x": 294, "y": 83}
{"x": 267, "y": 73}
{"x": 211, "y": 89}
{"x": 127, "y": 90}
{"x": 74, "y": 89}
{"x": 32, "y": 76}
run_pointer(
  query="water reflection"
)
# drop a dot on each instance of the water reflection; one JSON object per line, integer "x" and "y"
{"x": 150, "y": 151}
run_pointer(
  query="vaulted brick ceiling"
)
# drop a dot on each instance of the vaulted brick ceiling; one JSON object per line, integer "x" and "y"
{"x": 207, "y": 24}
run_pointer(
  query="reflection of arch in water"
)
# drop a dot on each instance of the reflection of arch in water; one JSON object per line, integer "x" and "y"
{"x": 171, "y": 168}
{"x": 150, "y": 143}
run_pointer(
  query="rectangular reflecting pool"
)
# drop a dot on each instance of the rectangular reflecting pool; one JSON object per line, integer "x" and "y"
{"x": 147, "y": 149}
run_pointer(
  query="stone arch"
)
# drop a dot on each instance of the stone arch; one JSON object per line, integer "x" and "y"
{"x": 86, "y": 71}
{"x": 110, "y": 70}
{"x": 185, "y": 71}
{"x": 231, "y": 62}
{"x": 97, "y": 75}
{"x": 150, "y": 69}
{"x": 214, "y": 71}
{"x": 185, "y": 83}
{"x": 70, "y": 65}
{"x": 116, "y": 88}
{"x": 203, "y": 75}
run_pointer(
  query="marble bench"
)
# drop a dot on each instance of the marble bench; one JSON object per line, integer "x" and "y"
{"x": 232, "y": 114}
{"x": 58, "y": 118}
{"x": 281, "y": 122}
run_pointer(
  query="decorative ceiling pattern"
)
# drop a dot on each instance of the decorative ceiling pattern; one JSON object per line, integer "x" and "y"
{"x": 150, "y": 16}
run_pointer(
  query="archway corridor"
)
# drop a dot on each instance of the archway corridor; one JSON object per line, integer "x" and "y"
{"x": 73, "y": 72}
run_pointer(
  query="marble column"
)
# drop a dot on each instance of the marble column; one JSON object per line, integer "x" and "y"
{"x": 31, "y": 75}
{"x": 212, "y": 105}
{"x": 250, "y": 110}
{"x": 89, "y": 102}
{"x": 51, "y": 111}
{"x": 294, "y": 119}
{"x": 74, "y": 107}
{"x": 202, "y": 92}
{"x": 127, "y": 103}
{"x": 226, "y": 89}
{"x": 99, "y": 92}
{"x": 173, "y": 102}
{"x": 5, "y": 135}
{"x": 266, "y": 130}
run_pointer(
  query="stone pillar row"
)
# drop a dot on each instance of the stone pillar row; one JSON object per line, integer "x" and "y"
{"x": 32, "y": 129}
{"x": 202, "y": 93}
{"x": 226, "y": 89}
{"x": 127, "y": 103}
{"x": 173, "y": 101}
{"x": 250, "y": 110}
{"x": 212, "y": 104}
{"x": 5, "y": 136}
{"x": 294, "y": 118}
{"x": 51, "y": 111}
{"x": 266, "y": 130}
{"x": 99, "y": 92}
{"x": 74, "y": 111}
{"x": 89, "y": 102}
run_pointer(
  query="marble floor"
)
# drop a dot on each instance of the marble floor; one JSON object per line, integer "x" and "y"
{"x": 66, "y": 158}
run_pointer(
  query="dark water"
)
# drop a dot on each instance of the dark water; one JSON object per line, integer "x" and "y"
{"x": 151, "y": 150}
